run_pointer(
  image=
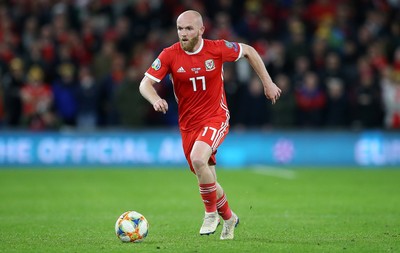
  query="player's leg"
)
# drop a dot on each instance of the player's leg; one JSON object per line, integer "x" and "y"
{"x": 231, "y": 220}
{"x": 199, "y": 158}
{"x": 222, "y": 204}
{"x": 200, "y": 152}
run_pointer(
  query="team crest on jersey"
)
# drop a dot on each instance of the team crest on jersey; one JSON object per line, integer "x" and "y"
{"x": 210, "y": 65}
{"x": 156, "y": 64}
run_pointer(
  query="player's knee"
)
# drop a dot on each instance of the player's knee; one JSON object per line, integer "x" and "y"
{"x": 198, "y": 164}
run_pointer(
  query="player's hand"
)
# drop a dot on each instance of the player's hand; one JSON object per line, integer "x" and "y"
{"x": 272, "y": 92}
{"x": 161, "y": 106}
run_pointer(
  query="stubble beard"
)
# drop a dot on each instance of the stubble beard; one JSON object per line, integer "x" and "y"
{"x": 189, "y": 47}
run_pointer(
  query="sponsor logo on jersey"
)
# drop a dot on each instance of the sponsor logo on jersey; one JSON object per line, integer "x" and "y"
{"x": 210, "y": 65}
{"x": 196, "y": 70}
{"x": 156, "y": 64}
{"x": 181, "y": 70}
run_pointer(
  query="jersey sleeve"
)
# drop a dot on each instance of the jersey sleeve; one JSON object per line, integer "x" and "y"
{"x": 231, "y": 51}
{"x": 159, "y": 68}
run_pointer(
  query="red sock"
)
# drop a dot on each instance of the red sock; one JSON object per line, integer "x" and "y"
{"x": 223, "y": 208}
{"x": 208, "y": 193}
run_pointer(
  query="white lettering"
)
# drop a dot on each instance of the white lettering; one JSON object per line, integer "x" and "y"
{"x": 78, "y": 151}
{"x": 24, "y": 151}
{"x": 375, "y": 151}
{"x": 15, "y": 151}
{"x": 103, "y": 150}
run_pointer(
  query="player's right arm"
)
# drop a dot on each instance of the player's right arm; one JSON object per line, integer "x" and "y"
{"x": 148, "y": 91}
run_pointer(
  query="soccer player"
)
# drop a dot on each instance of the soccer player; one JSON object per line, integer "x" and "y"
{"x": 195, "y": 66}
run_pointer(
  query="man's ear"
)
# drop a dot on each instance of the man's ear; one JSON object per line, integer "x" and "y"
{"x": 202, "y": 29}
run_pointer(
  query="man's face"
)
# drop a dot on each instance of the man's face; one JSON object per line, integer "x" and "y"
{"x": 189, "y": 32}
{"x": 188, "y": 39}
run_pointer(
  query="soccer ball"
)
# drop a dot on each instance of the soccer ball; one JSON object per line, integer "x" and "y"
{"x": 131, "y": 226}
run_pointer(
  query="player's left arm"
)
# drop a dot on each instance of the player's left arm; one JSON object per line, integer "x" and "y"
{"x": 271, "y": 91}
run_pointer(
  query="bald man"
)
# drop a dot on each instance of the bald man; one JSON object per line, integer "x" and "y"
{"x": 195, "y": 66}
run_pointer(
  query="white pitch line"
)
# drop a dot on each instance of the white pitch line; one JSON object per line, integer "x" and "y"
{"x": 274, "y": 172}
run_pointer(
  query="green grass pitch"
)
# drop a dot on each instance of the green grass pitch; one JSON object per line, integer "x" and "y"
{"x": 281, "y": 210}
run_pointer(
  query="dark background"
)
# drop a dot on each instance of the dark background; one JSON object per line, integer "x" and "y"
{"x": 78, "y": 64}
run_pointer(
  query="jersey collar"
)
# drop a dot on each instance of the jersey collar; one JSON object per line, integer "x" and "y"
{"x": 198, "y": 50}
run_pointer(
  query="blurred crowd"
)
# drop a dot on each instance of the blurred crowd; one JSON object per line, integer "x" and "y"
{"x": 77, "y": 64}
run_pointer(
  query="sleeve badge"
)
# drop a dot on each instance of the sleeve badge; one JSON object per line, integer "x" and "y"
{"x": 231, "y": 45}
{"x": 228, "y": 44}
{"x": 156, "y": 64}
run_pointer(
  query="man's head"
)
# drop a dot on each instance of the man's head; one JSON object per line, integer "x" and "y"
{"x": 190, "y": 30}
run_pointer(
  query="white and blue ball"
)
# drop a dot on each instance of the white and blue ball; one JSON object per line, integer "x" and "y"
{"x": 131, "y": 226}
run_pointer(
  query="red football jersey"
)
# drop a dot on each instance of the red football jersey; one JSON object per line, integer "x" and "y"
{"x": 197, "y": 79}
